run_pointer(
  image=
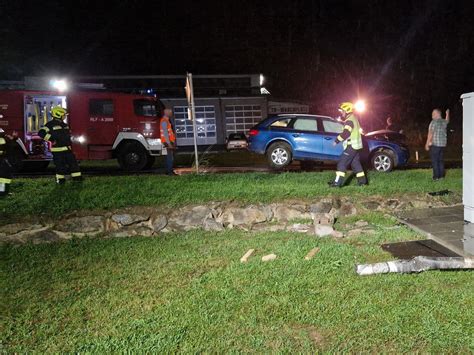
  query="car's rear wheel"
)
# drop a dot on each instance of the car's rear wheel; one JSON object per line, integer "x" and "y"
{"x": 279, "y": 155}
{"x": 383, "y": 161}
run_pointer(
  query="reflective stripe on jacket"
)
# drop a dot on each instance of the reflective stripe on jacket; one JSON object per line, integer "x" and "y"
{"x": 57, "y": 132}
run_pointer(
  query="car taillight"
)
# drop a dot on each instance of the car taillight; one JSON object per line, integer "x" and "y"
{"x": 253, "y": 132}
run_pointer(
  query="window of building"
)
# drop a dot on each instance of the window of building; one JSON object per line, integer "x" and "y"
{"x": 98, "y": 107}
{"x": 241, "y": 118}
{"x": 145, "y": 108}
{"x": 306, "y": 124}
{"x": 332, "y": 126}
{"x": 205, "y": 125}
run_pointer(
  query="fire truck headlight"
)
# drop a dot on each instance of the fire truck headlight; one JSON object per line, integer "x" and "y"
{"x": 154, "y": 141}
{"x": 81, "y": 139}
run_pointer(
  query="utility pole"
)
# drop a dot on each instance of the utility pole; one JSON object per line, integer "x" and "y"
{"x": 192, "y": 114}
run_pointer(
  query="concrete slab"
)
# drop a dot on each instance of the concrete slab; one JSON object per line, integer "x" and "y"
{"x": 408, "y": 250}
{"x": 444, "y": 225}
{"x": 448, "y": 219}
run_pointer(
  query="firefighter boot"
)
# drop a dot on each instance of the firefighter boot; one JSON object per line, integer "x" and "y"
{"x": 361, "y": 179}
{"x": 60, "y": 179}
{"x": 77, "y": 177}
{"x": 339, "y": 181}
{"x": 4, "y": 189}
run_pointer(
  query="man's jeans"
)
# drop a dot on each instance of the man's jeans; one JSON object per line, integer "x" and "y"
{"x": 437, "y": 160}
{"x": 169, "y": 161}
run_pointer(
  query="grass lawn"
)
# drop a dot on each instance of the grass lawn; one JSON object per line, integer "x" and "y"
{"x": 42, "y": 196}
{"x": 189, "y": 292}
{"x": 186, "y": 159}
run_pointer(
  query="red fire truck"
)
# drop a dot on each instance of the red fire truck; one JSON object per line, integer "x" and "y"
{"x": 104, "y": 125}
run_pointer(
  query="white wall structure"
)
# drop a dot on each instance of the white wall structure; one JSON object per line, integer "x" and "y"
{"x": 468, "y": 171}
{"x": 468, "y": 156}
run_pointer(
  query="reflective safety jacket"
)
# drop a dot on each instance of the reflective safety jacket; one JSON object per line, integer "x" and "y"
{"x": 3, "y": 147}
{"x": 57, "y": 132}
{"x": 166, "y": 131}
{"x": 6, "y": 145}
{"x": 352, "y": 133}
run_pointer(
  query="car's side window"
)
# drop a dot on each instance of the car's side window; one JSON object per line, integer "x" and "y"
{"x": 332, "y": 127}
{"x": 306, "y": 124}
{"x": 283, "y": 123}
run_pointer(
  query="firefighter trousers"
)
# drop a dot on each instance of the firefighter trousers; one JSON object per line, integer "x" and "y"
{"x": 66, "y": 163}
{"x": 5, "y": 176}
{"x": 350, "y": 157}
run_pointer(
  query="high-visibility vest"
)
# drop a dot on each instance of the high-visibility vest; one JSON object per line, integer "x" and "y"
{"x": 355, "y": 139}
{"x": 169, "y": 128}
{"x": 3, "y": 146}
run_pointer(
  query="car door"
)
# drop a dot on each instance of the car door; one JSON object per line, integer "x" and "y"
{"x": 306, "y": 138}
{"x": 332, "y": 129}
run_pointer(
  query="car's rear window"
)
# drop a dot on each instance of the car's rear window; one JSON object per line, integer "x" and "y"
{"x": 237, "y": 136}
{"x": 281, "y": 123}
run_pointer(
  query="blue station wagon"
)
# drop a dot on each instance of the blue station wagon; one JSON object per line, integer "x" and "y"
{"x": 285, "y": 138}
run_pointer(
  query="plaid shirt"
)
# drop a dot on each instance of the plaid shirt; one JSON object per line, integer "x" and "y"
{"x": 439, "y": 128}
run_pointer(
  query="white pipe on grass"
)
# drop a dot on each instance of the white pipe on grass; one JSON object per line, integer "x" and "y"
{"x": 417, "y": 264}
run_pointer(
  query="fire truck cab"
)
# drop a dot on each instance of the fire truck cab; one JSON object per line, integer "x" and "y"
{"x": 104, "y": 125}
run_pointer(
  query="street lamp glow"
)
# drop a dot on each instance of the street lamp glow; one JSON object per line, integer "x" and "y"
{"x": 60, "y": 85}
{"x": 360, "y": 106}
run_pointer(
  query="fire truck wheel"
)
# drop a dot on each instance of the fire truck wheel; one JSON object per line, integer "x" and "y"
{"x": 34, "y": 166}
{"x": 150, "y": 162}
{"x": 16, "y": 159}
{"x": 132, "y": 157}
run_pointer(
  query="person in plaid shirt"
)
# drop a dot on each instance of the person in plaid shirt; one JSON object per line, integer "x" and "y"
{"x": 437, "y": 141}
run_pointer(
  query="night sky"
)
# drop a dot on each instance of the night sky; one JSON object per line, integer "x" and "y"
{"x": 404, "y": 57}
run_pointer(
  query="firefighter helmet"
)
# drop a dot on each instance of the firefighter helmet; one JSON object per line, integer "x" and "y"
{"x": 58, "y": 112}
{"x": 346, "y": 107}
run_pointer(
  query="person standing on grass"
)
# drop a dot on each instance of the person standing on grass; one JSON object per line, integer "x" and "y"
{"x": 57, "y": 132}
{"x": 6, "y": 169}
{"x": 436, "y": 142}
{"x": 351, "y": 139}
{"x": 168, "y": 139}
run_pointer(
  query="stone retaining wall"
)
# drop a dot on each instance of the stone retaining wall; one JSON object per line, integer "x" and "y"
{"x": 296, "y": 216}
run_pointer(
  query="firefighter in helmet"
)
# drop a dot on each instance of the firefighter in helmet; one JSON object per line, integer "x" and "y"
{"x": 5, "y": 166}
{"x": 57, "y": 132}
{"x": 351, "y": 138}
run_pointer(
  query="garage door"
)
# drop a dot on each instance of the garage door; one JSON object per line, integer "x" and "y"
{"x": 240, "y": 118}
{"x": 205, "y": 125}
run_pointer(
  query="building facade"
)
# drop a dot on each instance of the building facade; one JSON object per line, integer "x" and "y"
{"x": 225, "y": 104}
